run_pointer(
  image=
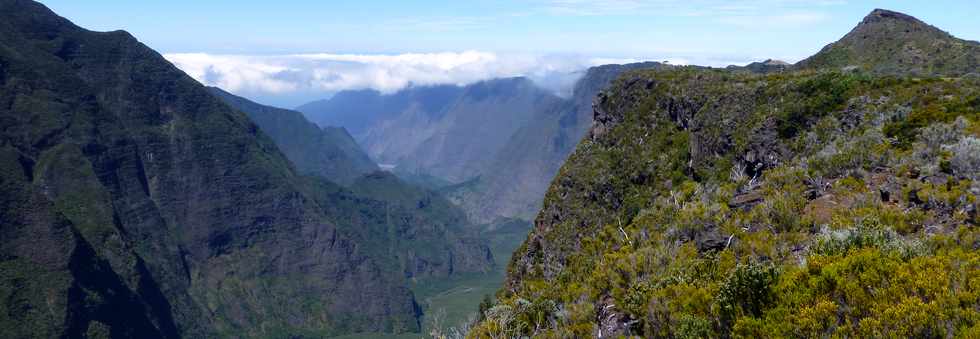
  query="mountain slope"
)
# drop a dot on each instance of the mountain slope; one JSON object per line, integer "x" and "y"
{"x": 405, "y": 228}
{"x": 137, "y": 204}
{"x": 894, "y": 43}
{"x": 329, "y": 152}
{"x": 713, "y": 203}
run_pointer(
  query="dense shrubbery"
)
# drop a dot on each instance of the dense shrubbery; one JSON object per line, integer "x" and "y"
{"x": 690, "y": 220}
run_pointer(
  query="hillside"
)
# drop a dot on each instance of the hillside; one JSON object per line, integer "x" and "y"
{"x": 410, "y": 231}
{"x": 805, "y": 203}
{"x": 329, "y": 152}
{"x": 887, "y": 42}
{"x": 138, "y": 204}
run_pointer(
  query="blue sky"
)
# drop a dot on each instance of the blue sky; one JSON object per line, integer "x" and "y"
{"x": 561, "y": 35}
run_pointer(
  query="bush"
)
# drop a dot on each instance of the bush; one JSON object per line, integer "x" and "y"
{"x": 937, "y": 135}
{"x": 747, "y": 291}
{"x": 966, "y": 158}
{"x": 868, "y": 234}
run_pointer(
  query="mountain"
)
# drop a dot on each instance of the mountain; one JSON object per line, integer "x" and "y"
{"x": 492, "y": 147}
{"x": 414, "y": 231}
{"x": 329, "y": 152}
{"x": 138, "y": 204}
{"x": 359, "y": 110}
{"x": 702, "y": 203}
{"x": 447, "y": 132}
{"x": 513, "y": 183}
{"x": 888, "y": 42}
{"x": 767, "y": 66}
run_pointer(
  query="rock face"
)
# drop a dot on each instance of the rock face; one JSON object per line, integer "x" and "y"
{"x": 888, "y": 42}
{"x": 137, "y": 204}
{"x": 329, "y": 152}
{"x": 724, "y": 203}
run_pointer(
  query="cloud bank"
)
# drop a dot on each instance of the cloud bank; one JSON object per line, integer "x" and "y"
{"x": 327, "y": 73}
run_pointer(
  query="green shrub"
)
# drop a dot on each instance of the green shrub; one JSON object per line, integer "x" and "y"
{"x": 747, "y": 291}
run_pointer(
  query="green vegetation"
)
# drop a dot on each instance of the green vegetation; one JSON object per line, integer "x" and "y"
{"x": 137, "y": 204}
{"x": 452, "y": 304}
{"x": 887, "y": 42}
{"x": 723, "y": 204}
{"x": 328, "y": 152}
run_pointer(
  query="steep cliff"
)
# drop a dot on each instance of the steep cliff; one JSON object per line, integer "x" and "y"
{"x": 329, "y": 152}
{"x": 137, "y": 204}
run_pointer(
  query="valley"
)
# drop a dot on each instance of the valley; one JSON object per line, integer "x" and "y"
{"x": 143, "y": 197}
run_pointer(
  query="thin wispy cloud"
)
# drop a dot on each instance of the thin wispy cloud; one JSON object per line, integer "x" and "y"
{"x": 793, "y": 19}
{"x": 735, "y": 12}
{"x": 439, "y": 24}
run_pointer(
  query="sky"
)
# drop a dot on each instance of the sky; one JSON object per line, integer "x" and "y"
{"x": 288, "y": 52}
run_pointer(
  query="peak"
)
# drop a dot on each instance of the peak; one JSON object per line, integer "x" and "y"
{"x": 879, "y": 15}
{"x": 889, "y": 42}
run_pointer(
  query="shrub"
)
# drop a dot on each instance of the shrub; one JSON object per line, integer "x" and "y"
{"x": 935, "y": 136}
{"x": 747, "y": 291}
{"x": 691, "y": 327}
{"x": 868, "y": 234}
{"x": 966, "y": 158}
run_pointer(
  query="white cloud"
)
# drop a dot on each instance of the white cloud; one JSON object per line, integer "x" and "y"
{"x": 324, "y": 72}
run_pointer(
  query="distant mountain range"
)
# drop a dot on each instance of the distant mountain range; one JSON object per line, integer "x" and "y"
{"x": 447, "y": 132}
{"x": 492, "y": 146}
